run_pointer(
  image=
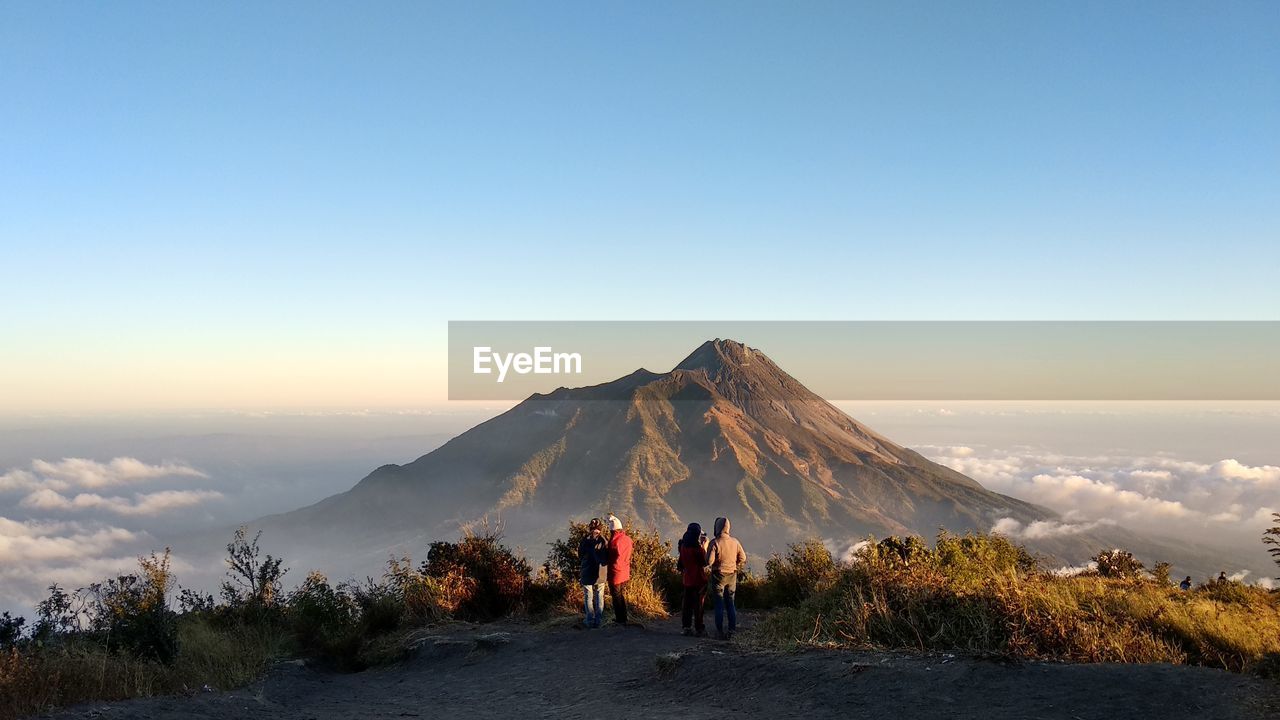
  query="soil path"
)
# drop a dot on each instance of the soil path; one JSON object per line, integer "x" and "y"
{"x": 518, "y": 671}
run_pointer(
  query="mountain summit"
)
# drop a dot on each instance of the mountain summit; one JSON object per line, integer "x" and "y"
{"x": 726, "y": 432}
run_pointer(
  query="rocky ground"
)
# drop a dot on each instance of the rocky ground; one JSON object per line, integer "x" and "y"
{"x": 517, "y": 670}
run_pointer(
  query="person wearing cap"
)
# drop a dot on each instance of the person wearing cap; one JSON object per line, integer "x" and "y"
{"x": 725, "y": 557}
{"x": 619, "y": 562}
{"x": 591, "y": 555}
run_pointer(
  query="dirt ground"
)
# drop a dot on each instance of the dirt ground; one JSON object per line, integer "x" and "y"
{"x": 513, "y": 670}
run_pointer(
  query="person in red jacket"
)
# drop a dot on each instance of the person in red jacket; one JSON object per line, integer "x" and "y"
{"x": 693, "y": 556}
{"x": 619, "y": 555}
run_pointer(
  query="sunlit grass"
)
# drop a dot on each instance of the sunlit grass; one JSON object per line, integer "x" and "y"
{"x": 981, "y": 594}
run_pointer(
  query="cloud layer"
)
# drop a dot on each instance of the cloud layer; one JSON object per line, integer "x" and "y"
{"x": 71, "y": 473}
{"x": 1221, "y": 503}
{"x": 66, "y": 538}
{"x": 153, "y": 503}
{"x": 52, "y": 486}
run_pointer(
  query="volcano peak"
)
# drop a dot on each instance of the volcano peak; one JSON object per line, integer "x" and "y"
{"x": 718, "y": 354}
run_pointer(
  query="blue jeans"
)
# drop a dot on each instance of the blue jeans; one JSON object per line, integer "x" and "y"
{"x": 722, "y": 590}
{"x": 593, "y": 603}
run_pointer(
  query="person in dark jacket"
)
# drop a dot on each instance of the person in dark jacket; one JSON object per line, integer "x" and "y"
{"x": 619, "y": 560}
{"x": 591, "y": 556}
{"x": 693, "y": 558}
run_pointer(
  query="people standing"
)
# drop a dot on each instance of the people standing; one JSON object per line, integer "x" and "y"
{"x": 725, "y": 557}
{"x": 619, "y": 561}
{"x": 691, "y": 564}
{"x": 591, "y": 555}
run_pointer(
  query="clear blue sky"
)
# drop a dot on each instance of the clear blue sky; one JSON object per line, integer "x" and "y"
{"x": 193, "y": 188}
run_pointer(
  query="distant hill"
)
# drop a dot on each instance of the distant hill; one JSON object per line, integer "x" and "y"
{"x": 727, "y": 432}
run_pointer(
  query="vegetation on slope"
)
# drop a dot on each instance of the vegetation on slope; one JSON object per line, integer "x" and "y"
{"x": 974, "y": 593}
{"x": 983, "y": 594}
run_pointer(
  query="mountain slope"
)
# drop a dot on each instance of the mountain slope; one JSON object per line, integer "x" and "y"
{"x": 726, "y": 432}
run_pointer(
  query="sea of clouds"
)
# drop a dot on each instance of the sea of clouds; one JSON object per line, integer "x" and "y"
{"x": 77, "y": 520}
{"x": 1225, "y": 503}
{"x": 83, "y": 520}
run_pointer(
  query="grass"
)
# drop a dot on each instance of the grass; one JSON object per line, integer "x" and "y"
{"x": 77, "y": 671}
{"x": 977, "y": 594}
{"x": 980, "y": 594}
{"x": 668, "y": 663}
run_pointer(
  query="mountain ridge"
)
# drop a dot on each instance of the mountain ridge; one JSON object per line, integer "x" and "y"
{"x": 725, "y": 432}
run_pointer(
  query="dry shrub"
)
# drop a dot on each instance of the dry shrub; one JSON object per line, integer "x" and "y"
{"x": 323, "y": 620}
{"x": 982, "y": 593}
{"x": 806, "y": 569}
{"x": 478, "y": 577}
{"x": 652, "y": 565}
{"x": 420, "y": 596}
{"x": 654, "y": 581}
{"x": 75, "y": 669}
{"x": 1118, "y": 564}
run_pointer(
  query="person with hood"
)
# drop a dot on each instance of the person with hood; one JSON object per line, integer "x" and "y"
{"x": 691, "y": 564}
{"x": 725, "y": 557}
{"x": 591, "y": 555}
{"x": 619, "y": 561}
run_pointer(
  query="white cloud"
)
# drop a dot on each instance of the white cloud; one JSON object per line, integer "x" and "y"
{"x": 37, "y": 553}
{"x": 1040, "y": 529}
{"x": 1234, "y": 469}
{"x": 35, "y": 550}
{"x": 849, "y": 552}
{"x": 73, "y": 473}
{"x": 18, "y": 480}
{"x": 141, "y": 504}
{"x": 41, "y": 541}
{"x": 1073, "y": 570}
{"x": 1225, "y": 503}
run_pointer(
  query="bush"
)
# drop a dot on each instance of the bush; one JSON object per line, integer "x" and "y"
{"x": 55, "y": 615}
{"x": 130, "y": 613}
{"x": 77, "y": 668}
{"x": 653, "y": 568}
{"x": 1160, "y": 573}
{"x": 1227, "y": 591}
{"x": 478, "y": 577}
{"x": 254, "y": 583}
{"x": 753, "y": 591}
{"x": 418, "y": 594}
{"x": 972, "y": 558}
{"x": 655, "y": 584}
{"x": 1118, "y": 564}
{"x": 338, "y": 626}
{"x": 119, "y": 638}
{"x": 806, "y": 569}
{"x": 10, "y": 631}
{"x": 380, "y": 608}
{"x": 980, "y": 593}
{"x": 563, "y": 565}
{"x": 321, "y": 618}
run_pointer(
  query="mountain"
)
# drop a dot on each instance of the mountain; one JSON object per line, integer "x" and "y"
{"x": 726, "y": 432}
